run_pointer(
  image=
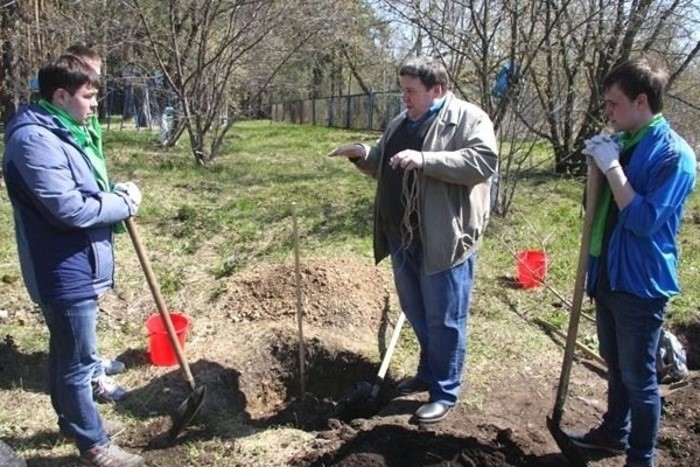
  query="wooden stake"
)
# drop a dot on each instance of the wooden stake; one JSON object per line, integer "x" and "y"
{"x": 300, "y": 330}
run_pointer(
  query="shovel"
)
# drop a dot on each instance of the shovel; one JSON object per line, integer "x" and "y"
{"x": 190, "y": 406}
{"x": 362, "y": 400}
{"x": 570, "y": 451}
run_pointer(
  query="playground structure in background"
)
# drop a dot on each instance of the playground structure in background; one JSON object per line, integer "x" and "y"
{"x": 145, "y": 100}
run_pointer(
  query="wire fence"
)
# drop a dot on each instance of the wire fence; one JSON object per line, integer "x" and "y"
{"x": 357, "y": 111}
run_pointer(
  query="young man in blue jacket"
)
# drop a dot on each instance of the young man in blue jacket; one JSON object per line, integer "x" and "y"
{"x": 64, "y": 214}
{"x": 649, "y": 172}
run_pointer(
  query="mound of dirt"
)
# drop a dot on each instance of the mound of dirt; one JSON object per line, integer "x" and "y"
{"x": 680, "y": 427}
{"x": 392, "y": 445}
{"x": 336, "y": 293}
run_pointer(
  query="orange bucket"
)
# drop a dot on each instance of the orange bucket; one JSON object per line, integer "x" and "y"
{"x": 532, "y": 267}
{"x": 160, "y": 350}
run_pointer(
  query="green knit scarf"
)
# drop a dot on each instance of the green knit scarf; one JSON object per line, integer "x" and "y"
{"x": 87, "y": 137}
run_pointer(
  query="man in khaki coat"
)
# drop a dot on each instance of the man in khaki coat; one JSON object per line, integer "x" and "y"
{"x": 433, "y": 167}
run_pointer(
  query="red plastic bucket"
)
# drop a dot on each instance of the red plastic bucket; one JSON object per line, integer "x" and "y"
{"x": 532, "y": 267}
{"x": 160, "y": 350}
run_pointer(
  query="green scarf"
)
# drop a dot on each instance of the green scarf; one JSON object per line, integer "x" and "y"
{"x": 627, "y": 140}
{"x": 88, "y": 137}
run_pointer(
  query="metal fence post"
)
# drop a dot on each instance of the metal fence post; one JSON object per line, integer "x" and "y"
{"x": 313, "y": 112}
{"x": 347, "y": 112}
{"x": 370, "y": 121}
{"x": 330, "y": 111}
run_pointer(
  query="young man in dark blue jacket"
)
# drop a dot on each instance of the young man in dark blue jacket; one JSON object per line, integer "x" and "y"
{"x": 649, "y": 172}
{"x": 64, "y": 214}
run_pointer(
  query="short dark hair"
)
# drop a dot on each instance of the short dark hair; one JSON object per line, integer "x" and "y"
{"x": 429, "y": 70}
{"x": 83, "y": 52}
{"x": 68, "y": 72}
{"x": 640, "y": 76}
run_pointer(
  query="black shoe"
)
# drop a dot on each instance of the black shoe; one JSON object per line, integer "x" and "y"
{"x": 432, "y": 412}
{"x": 412, "y": 386}
{"x": 597, "y": 439}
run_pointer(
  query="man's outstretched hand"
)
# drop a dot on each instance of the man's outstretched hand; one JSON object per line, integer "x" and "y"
{"x": 351, "y": 151}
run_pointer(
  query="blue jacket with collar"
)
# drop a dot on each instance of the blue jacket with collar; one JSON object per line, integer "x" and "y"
{"x": 642, "y": 253}
{"x": 63, "y": 221}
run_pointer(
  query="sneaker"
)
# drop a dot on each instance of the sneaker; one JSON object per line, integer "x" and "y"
{"x": 412, "y": 386}
{"x": 112, "y": 429}
{"x": 598, "y": 440}
{"x": 110, "y": 455}
{"x": 104, "y": 389}
{"x": 112, "y": 367}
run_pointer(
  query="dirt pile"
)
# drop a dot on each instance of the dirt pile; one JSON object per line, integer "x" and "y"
{"x": 680, "y": 425}
{"x": 336, "y": 293}
{"x": 389, "y": 445}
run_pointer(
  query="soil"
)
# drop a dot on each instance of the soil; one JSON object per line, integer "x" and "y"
{"x": 245, "y": 349}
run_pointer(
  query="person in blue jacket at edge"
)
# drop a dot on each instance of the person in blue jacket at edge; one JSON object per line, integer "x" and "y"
{"x": 649, "y": 173}
{"x": 64, "y": 213}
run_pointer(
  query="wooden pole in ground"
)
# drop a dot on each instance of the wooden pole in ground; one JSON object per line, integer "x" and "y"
{"x": 297, "y": 280}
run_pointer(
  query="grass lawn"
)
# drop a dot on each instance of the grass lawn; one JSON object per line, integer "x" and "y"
{"x": 203, "y": 224}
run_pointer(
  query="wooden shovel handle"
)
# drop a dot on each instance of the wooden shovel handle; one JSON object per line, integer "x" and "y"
{"x": 155, "y": 290}
{"x": 593, "y": 186}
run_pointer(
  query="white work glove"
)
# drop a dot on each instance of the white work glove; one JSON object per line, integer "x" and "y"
{"x": 129, "y": 190}
{"x": 604, "y": 151}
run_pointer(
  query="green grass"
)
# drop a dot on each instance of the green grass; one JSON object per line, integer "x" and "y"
{"x": 241, "y": 203}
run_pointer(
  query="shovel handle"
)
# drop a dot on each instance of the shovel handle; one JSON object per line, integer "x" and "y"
{"x": 593, "y": 186}
{"x": 388, "y": 354}
{"x": 160, "y": 303}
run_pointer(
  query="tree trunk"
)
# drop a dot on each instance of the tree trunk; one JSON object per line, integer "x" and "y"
{"x": 8, "y": 82}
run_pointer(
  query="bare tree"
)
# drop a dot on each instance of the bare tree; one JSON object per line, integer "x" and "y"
{"x": 559, "y": 53}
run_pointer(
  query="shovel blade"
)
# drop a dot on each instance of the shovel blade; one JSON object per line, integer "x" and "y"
{"x": 357, "y": 403}
{"x": 569, "y": 450}
{"x": 186, "y": 412}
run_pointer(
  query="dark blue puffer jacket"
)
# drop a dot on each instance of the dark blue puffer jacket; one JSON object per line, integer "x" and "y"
{"x": 63, "y": 222}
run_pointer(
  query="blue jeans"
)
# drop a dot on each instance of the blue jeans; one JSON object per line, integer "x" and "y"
{"x": 72, "y": 361}
{"x": 628, "y": 335}
{"x": 437, "y": 306}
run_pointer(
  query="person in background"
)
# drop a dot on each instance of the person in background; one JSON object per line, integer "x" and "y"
{"x": 63, "y": 225}
{"x": 649, "y": 173}
{"x": 104, "y": 388}
{"x": 433, "y": 165}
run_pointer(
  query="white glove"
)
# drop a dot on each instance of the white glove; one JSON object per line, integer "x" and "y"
{"x": 130, "y": 190}
{"x": 604, "y": 150}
